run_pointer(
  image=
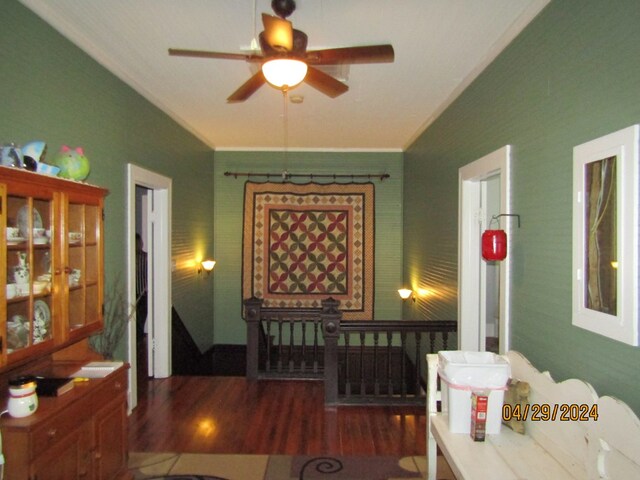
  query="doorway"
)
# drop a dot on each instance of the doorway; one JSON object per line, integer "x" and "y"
{"x": 149, "y": 213}
{"x": 144, "y": 284}
{"x": 484, "y": 287}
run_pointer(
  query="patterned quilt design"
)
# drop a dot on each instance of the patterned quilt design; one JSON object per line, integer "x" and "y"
{"x": 304, "y": 243}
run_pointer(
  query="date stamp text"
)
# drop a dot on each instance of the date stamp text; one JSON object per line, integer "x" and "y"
{"x": 546, "y": 412}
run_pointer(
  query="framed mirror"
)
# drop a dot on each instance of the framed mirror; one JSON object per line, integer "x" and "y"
{"x": 605, "y": 235}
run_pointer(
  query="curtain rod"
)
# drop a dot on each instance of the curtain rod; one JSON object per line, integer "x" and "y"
{"x": 286, "y": 175}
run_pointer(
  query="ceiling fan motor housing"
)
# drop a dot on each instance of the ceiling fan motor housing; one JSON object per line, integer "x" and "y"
{"x": 299, "y": 46}
{"x": 283, "y": 8}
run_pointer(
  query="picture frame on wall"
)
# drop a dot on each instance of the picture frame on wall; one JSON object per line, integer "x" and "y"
{"x": 605, "y": 235}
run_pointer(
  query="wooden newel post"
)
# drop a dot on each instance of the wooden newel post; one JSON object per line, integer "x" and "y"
{"x": 252, "y": 307}
{"x": 331, "y": 317}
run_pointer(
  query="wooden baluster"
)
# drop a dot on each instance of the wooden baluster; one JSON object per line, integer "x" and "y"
{"x": 418, "y": 362}
{"x": 403, "y": 364}
{"x": 291, "y": 345}
{"x": 445, "y": 340}
{"x": 303, "y": 347}
{"x": 363, "y": 386}
{"x": 280, "y": 354}
{"x": 389, "y": 361}
{"x": 315, "y": 344}
{"x": 376, "y": 380}
{"x": 269, "y": 345}
{"x": 347, "y": 366}
{"x": 432, "y": 342}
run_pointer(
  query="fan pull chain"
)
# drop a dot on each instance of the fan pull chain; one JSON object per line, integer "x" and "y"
{"x": 285, "y": 120}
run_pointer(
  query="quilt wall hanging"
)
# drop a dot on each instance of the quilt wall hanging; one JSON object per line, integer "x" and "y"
{"x": 303, "y": 243}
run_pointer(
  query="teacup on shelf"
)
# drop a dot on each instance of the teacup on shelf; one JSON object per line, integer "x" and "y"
{"x": 39, "y": 236}
{"x": 40, "y": 286}
{"x": 13, "y": 234}
{"x": 74, "y": 277}
{"x": 75, "y": 237}
{"x": 22, "y": 289}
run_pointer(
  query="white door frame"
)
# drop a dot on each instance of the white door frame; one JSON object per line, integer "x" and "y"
{"x": 471, "y": 268}
{"x": 160, "y": 217}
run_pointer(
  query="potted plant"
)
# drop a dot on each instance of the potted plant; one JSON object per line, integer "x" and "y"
{"x": 117, "y": 315}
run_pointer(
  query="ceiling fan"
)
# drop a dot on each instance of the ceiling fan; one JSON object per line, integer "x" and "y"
{"x": 280, "y": 41}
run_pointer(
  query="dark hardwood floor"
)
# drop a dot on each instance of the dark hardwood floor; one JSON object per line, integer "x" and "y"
{"x": 231, "y": 415}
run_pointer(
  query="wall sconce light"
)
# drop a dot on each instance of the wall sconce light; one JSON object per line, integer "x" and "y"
{"x": 405, "y": 293}
{"x": 207, "y": 266}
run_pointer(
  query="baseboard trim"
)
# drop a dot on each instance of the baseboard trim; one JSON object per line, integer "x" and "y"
{"x": 228, "y": 360}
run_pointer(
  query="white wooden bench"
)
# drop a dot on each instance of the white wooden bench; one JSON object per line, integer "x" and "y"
{"x": 606, "y": 448}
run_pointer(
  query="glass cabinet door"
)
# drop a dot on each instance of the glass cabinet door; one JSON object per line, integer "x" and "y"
{"x": 51, "y": 264}
{"x": 83, "y": 266}
{"x": 30, "y": 310}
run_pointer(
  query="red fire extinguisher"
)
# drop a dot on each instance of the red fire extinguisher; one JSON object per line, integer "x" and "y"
{"x": 494, "y": 245}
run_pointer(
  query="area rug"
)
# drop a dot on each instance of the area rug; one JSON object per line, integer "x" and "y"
{"x": 303, "y": 243}
{"x": 189, "y": 466}
{"x": 187, "y": 477}
{"x": 342, "y": 468}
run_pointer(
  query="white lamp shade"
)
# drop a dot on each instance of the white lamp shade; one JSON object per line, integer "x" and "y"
{"x": 208, "y": 265}
{"x": 405, "y": 293}
{"x": 284, "y": 71}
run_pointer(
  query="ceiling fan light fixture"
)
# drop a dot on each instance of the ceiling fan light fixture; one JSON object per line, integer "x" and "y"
{"x": 281, "y": 72}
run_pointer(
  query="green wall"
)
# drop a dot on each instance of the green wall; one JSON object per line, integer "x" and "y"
{"x": 573, "y": 75}
{"x": 52, "y": 91}
{"x": 228, "y": 211}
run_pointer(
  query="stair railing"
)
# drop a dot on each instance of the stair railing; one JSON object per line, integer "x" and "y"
{"x": 361, "y": 362}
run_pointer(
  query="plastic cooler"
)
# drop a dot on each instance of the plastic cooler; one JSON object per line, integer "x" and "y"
{"x": 464, "y": 372}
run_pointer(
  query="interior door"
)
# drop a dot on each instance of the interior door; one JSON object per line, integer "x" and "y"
{"x": 474, "y": 277}
{"x": 160, "y": 273}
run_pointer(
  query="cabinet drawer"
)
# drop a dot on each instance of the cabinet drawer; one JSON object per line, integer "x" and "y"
{"x": 113, "y": 387}
{"x": 53, "y": 431}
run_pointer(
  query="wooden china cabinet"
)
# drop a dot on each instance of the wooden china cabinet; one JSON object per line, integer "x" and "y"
{"x": 51, "y": 301}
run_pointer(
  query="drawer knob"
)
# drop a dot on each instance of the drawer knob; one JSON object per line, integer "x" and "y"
{"x": 52, "y": 433}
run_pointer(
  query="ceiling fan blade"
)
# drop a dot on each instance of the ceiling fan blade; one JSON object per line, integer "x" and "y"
{"x": 325, "y": 83}
{"x": 248, "y": 88}
{"x": 278, "y": 33}
{"x": 351, "y": 55}
{"x": 179, "y": 52}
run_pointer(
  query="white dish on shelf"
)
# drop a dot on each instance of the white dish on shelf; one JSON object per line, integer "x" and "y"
{"x": 40, "y": 241}
{"x": 41, "y": 321}
{"x": 15, "y": 240}
{"x": 40, "y": 286}
{"x": 23, "y": 220}
{"x": 17, "y": 332}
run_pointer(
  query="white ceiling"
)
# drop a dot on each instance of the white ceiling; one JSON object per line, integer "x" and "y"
{"x": 440, "y": 47}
